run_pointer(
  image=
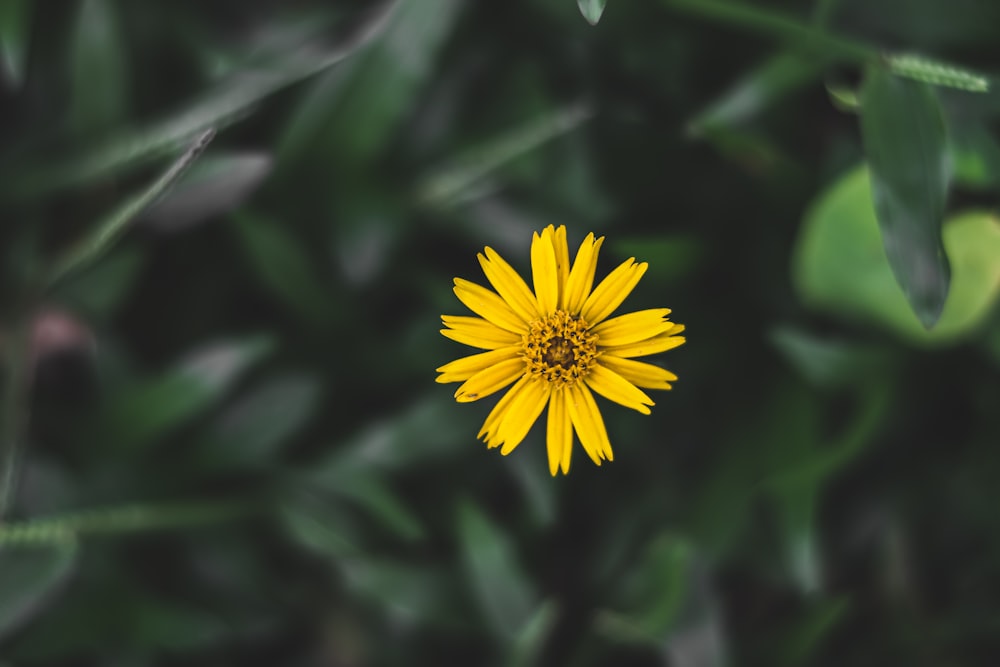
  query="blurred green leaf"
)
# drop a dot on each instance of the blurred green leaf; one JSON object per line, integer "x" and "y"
{"x": 100, "y": 288}
{"x": 382, "y": 503}
{"x": 385, "y": 81}
{"x": 284, "y": 266}
{"x": 216, "y": 109}
{"x": 592, "y": 9}
{"x": 839, "y": 265}
{"x": 414, "y": 595}
{"x": 28, "y": 577}
{"x": 829, "y": 362}
{"x": 14, "y": 33}
{"x": 974, "y": 153}
{"x": 801, "y": 642}
{"x": 97, "y": 61}
{"x": 218, "y": 183}
{"x": 254, "y": 428}
{"x": 451, "y": 184}
{"x": 504, "y": 594}
{"x": 526, "y": 649}
{"x": 106, "y": 232}
{"x": 653, "y": 594}
{"x": 320, "y": 526}
{"x": 765, "y": 85}
{"x": 138, "y": 413}
{"x": 670, "y": 257}
{"x": 903, "y": 131}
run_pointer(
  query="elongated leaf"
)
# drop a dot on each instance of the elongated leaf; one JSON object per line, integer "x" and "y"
{"x": 97, "y": 62}
{"x": 592, "y": 9}
{"x": 503, "y": 592}
{"x": 27, "y": 576}
{"x": 839, "y": 265}
{"x": 218, "y": 108}
{"x": 904, "y": 136}
{"x": 107, "y": 232}
{"x": 13, "y": 40}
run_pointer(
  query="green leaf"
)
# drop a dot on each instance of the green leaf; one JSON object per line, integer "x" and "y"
{"x": 97, "y": 62}
{"x": 14, "y": 33}
{"x": 526, "y": 649}
{"x": 28, "y": 576}
{"x": 840, "y": 266}
{"x": 975, "y": 153}
{"x": 829, "y": 362}
{"x": 903, "y": 131}
{"x": 321, "y": 527}
{"x": 111, "y": 228}
{"x": 140, "y": 412}
{"x": 385, "y": 81}
{"x": 490, "y": 564}
{"x": 218, "y": 183}
{"x": 284, "y": 266}
{"x": 767, "y": 84}
{"x": 24, "y": 178}
{"x": 592, "y": 9}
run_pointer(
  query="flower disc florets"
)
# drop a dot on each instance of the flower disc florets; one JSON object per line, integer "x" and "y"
{"x": 559, "y": 348}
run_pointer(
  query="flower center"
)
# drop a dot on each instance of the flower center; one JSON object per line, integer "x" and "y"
{"x": 559, "y": 348}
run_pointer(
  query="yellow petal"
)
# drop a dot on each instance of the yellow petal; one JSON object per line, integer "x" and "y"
{"x": 509, "y": 285}
{"x": 654, "y": 345}
{"x": 522, "y": 414}
{"x": 477, "y": 332}
{"x": 464, "y": 368}
{"x": 588, "y": 423}
{"x": 561, "y": 248}
{"x": 559, "y": 434}
{"x": 490, "y": 380}
{"x": 499, "y": 410}
{"x": 489, "y": 306}
{"x": 581, "y": 276}
{"x": 632, "y": 327}
{"x": 610, "y": 293}
{"x": 545, "y": 272}
{"x": 614, "y": 387}
{"x": 639, "y": 373}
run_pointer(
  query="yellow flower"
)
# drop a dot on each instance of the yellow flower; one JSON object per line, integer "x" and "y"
{"x": 556, "y": 345}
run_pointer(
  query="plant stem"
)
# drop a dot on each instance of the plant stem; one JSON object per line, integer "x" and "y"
{"x": 124, "y": 519}
{"x": 777, "y": 25}
{"x": 13, "y": 412}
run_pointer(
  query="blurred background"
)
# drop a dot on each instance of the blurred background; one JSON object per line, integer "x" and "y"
{"x": 222, "y": 440}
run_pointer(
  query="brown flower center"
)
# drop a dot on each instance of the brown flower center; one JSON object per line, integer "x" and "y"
{"x": 559, "y": 348}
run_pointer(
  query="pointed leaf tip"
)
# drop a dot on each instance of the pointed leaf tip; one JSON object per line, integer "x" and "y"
{"x": 592, "y": 9}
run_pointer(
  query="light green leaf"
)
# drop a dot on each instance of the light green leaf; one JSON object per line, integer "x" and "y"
{"x": 526, "y": 649}
{"x": 840, "y": 266}
{"x": 14, "y": 33}
{"x": 97, "y": 61}
{"x": 29, "y": 575}
{"x": 491, "y": 566}
{"x": 903, "y": 131}
{"x": 106, "y": 232}
{"x": 284, "y": 266}
{"x": 592, "y": 9}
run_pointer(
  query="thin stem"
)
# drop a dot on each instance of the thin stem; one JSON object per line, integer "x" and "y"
{"x": 14, "y": 412}
{"x": 776, "y": 25}
{"x": 124, "y": 519}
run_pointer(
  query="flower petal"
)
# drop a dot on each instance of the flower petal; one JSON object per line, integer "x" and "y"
{"x": 588, "y": 423}
{"x": 559, "y": 433}
{"x": 639, "y": 373}
{"x": 610, "y": 293}
{"x": 562, "y": 257}
{"x": 489, "y": 306}
{"x": 581, "y": 276}
{"x": 490, "y": 380}
{"x": 633, "y": 327}
{"x": 522, "y": 414}
{"x": 499, "y": 410}
{"x": 509, "y": 285}
{"x": 464, "y": 368}
{"x": 654, "y": 345}
{"x": 477, "y": 332}
{"x": 614, "y": 387}
{"x": 545, "y": 271}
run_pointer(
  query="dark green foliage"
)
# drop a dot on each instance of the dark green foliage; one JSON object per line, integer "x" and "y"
{"x": 228, "y": 231}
